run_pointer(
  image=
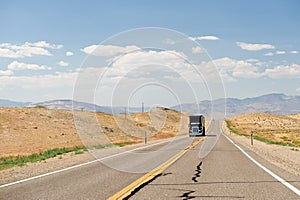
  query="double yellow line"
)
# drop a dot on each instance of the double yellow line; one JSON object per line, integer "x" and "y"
{"x": 126, "y": 192}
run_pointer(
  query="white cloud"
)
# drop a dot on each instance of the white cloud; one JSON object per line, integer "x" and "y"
{"x": 62, "y": 63}
{"x": 244, "y": 69}
{"x": 284, "y": 71}
{"x": 232, "y": 69}
{"x": 36, "y": 88}
{"x": 298, "y": 89}
{"x": 229, "y": 69}
{"x": 15, "y": 65}
{"x": 276, "y": 53}
{"x": 196, "y": 50}
{"x": 8, "y": 53}
{"x": 138, "y": 58}
{"x": 140, "y": 64}
{"x": 280, "y": 52}
{"x": 169, "y": 41}
{"x": 269, "y": 54}
{"x": 236, "y": 68}
{"x": 6, "y": 72}
{"x": 207, "y": 37}
{"x": 45, "y": 44}
{"x": 294, "y": 52}
{"x": 58, "y": 80}
{"x": 156, "y": 65}
{"x": 69, "y": 53}
{"x": 252, "y": 60}
{"x": 108, "y": 50}
{"x": 27, "y": 49}
{"x": 254, "y": 47}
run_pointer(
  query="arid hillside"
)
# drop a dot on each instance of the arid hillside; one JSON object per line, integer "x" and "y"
{"x": 24, "y": 131}
{"x": 282, "y": 129}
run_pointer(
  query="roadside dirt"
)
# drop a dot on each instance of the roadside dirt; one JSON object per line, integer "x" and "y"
{"x": 287, "y": 158}
{"x": 24, "y": 131}
{"x": 57, "y": 163}
{"x": 46, "y": 166}
{"x": 273, "y": 127}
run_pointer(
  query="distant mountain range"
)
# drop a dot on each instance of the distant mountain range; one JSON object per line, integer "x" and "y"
{"x": 272, "y": 103}
{"x": 67, "y": 104}
{"x": 8, "y": 103}
{"x": 77, "y": 105}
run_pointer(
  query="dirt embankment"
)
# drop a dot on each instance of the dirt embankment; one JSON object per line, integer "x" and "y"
{"x": 287, "y": 158}
{"x": 24, "y": 131}
{"x": 283, "y": 129}
{"x": 276, "y": 129}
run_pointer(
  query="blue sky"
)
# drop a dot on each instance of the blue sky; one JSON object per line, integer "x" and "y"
{"x": 254, "y": 45}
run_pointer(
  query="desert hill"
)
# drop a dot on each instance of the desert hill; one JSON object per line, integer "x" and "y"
{"x": 283, "y": 129}
{"x": 24, "y": 131}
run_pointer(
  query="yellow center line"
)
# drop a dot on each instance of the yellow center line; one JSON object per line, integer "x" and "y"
{"x": 125, "y": 192}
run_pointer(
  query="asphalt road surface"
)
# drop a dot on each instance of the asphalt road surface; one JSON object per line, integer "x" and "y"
{"x": 98, "y": 180}
{"x": 224, "y": 173}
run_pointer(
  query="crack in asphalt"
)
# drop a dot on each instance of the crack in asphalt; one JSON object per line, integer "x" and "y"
{"x": 198, "y": 172}
{"x": 186, "y": 195}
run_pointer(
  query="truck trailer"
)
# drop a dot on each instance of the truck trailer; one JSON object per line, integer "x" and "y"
{"x": 197, "y": 126}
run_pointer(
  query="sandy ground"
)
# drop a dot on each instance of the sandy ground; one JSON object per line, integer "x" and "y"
{"x": 274, "y": 127}
{"x": 282, "y": 156}
{"x": 24, "y": 131}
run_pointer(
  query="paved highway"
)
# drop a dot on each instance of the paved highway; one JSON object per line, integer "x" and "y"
{"x": 98, "y": 180}
{"x": 224, "y": 173}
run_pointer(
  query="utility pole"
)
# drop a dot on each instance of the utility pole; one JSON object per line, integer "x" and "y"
{"x": 125, "y": 113}
{"x": 145, "y": 134}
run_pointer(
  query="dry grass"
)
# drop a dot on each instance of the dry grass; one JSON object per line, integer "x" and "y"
{"x": 281, "y": 129}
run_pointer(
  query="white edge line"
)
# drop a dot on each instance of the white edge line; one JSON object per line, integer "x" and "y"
{"x": 83, "y": 164}
{"x": 278, "y": 178}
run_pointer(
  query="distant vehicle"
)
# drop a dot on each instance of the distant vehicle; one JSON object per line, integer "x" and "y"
{"x": 197, "y": 125}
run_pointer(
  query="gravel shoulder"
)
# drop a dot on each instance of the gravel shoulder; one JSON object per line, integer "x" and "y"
{"x": 60, "y": 162}
{"x": 285, "y": 157}
{"x": 38, "y": 168}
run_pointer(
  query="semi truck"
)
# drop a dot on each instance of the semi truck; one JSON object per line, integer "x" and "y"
{"x": 197, "y": 125}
